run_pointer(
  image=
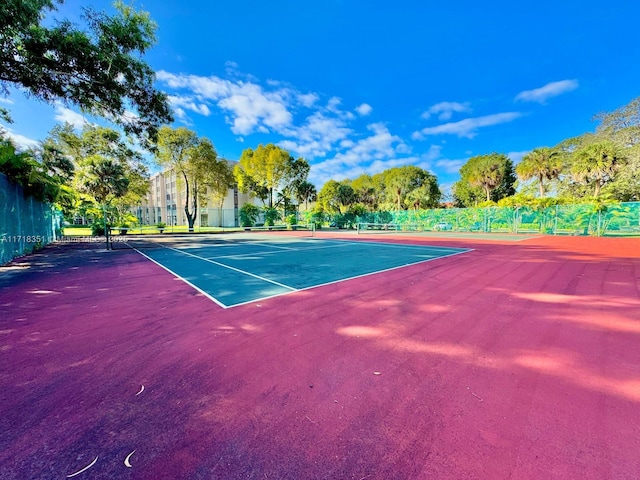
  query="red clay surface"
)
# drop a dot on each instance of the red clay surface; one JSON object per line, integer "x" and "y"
{"x": 514, "y": 361}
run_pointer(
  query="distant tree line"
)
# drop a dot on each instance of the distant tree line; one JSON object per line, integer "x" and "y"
{"x": 603, "y": 166}
{"x": 408, "y": 187}
{"x": 597, "y": 167}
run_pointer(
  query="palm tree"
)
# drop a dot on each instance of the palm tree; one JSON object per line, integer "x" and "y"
{"x": 104, "y": 179}
{"x": 306, "y": 192}
{"x": 543, "y": 164}
{"x": 597, "y": 163}
{"x": 487, "y": 173}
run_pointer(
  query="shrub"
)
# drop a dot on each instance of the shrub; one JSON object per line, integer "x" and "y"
{"x": 270, "y": 216}
{"x": 97, "y": 229}
{"x": 291, "y": 219}
{"x": 248, "y": 214}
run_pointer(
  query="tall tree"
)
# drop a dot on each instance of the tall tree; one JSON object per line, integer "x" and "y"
{"x": 25, "y": 170}
{"x": 622, "y": 126}
{"x": 425, "y": 196}
{"x": 369, "y": 190}
{"x": 401, "y": 181}
{"x": 542, "y": 164}
{"x": 336, "y": 197}
{"x": 105, "y": 180}
{"x": 306, "y": 192}
{"x": 269, "y": 169}
{"x": 191, "y": 158}
{"x": 298, "y": 173}
{"x": 491, "y": 174}
{"x": 596, "y": 164}
{"x": 624, "y": 119}
{"x": 65, "y": 149}
{"x": 218, "y": 179}
{"x": 98, "y": 68}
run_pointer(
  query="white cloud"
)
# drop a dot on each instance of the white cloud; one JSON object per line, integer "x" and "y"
{"x": 181, "y": 114}
{"x": 308, "y": 125}
{"x": 251, "y": 106}
{"x": 467, "y": 128}
{"x": 432, "y": 154}
{"x": 333, "y": 104}
{"x": 6, "y": 101}
{"x": 308, "y": 99}
{"x": 66, "y": 115}
{"x": 248, "y": 104}
{"x": 445, "y": 110}
{"x": 208, "y": 87}
{"x": 20, "y": 141}
{"x": 550, "y": 90}
{"x": 450, "y": 166}
{"x": 181, "y": 103}
{"x": 317, "y": 136}
{"x": 364, "y": 109}
{"x": 403, "y": 148}
{"x": 371, "y": 154}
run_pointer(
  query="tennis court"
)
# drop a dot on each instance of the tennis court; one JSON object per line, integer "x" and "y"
{"x": 235, "y": 269}
{"x": 393, "y": 357}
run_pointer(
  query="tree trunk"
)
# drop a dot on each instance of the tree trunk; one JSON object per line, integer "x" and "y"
{"x": 541, "y": 187}
{"x": 186, "y": 202}
{"x": 106, "y": 225}
{"x": 190, "y": 219}
{"x": 596, "y": 193}
{"x": 488, "y": 192}
{"x": 194, "y": 209}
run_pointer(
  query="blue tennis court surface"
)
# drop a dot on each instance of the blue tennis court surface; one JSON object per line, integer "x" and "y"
{"x": 240, "y": 270}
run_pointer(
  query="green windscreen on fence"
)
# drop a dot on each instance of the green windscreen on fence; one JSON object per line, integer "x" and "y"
{"x": 25, "y": 223}
{"x": 611, "y": 219}
{"x": 615, "y": 219}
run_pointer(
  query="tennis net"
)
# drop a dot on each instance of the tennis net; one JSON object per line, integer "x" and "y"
{"x": 277, "y": 233}
{"x": 389, "y": 227}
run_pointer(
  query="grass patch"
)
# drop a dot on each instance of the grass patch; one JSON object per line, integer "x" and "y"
{"x": 77, "y": 231}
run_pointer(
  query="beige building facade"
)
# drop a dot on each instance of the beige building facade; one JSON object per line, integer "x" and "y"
{"x": 166, "y": 199}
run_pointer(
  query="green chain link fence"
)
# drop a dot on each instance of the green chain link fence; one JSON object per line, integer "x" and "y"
{"x": 618, "y": 219}
{"x": 25, "y": 223}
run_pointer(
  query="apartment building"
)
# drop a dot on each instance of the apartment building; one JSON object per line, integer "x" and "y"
{"x": 166, "y": 199}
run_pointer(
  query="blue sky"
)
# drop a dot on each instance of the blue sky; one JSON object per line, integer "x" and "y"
{"x": 360, "y": 86}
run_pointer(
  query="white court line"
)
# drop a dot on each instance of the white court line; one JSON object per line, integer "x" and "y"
{"x": 292, "y": 289}
{"x": 351, "y": 278}
{"x": 276, "y": 252}
{"x": 342, "y": 243}
{"x": 273, "y": 246}
{"x": 179, "y": 277}
{"x": 233, "y": 268}
{"x": 398, "y": 245}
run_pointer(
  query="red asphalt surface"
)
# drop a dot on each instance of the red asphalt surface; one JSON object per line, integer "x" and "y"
{"x": 513, "y": 361}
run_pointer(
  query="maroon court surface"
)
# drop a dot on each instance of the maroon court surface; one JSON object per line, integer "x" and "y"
{"x": 517, "y": 360}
